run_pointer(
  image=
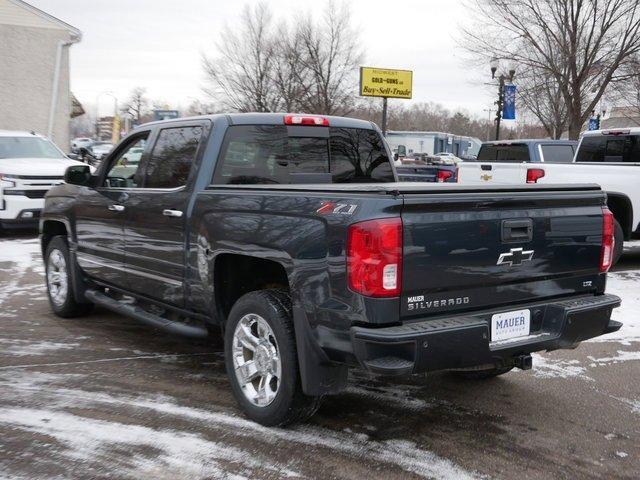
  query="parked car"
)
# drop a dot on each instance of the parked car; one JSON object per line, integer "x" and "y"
{"x": 610, "y": 158}
{"x": 30, "y": 165}
{"x": 80, "y": 142}
{"x": 292, "y": 233}
{"x": 448, "y": 157}
{"x": 100, "y": 149}
{"x": 133, "y": 156}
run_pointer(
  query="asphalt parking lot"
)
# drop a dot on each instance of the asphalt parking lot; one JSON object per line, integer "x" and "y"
{"x": 104, "y": 397}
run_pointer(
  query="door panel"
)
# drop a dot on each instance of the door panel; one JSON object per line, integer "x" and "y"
{"x": 99, "y": 230}
{"x": 155, "y": 244}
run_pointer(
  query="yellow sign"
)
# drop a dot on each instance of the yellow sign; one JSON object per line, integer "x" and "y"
{"x": 385, "y": 82}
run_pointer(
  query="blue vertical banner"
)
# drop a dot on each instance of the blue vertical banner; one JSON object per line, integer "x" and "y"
{"x": 509, "y": 105}
{"x": 594, "y": 123}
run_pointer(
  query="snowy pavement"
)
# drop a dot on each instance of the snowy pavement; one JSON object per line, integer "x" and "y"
{"x": 104, "y": 397}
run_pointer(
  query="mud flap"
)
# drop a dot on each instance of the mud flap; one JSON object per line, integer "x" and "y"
{"x": 318, "y": 375}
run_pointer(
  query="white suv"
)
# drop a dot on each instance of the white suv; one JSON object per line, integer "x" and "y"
{"x": 29, "y": 166}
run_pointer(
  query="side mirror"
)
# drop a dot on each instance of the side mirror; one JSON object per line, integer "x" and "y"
{"x": 78, "y": 175}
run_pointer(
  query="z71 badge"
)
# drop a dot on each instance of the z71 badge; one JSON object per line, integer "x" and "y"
{"x": 340, "y": 208}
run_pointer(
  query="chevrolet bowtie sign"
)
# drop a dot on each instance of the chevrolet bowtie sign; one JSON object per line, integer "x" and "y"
{"x": 515, "y": 256}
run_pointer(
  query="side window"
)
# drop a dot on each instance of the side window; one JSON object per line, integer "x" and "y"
{"x": 358, "y": 156}
{"x": 260, "y": 154}
{"x": 557, "y": 153}
{"x": 125, "y": 171}
{"x": 609, "y": 148}
{"x": 172, "y": 156}
{"x": 615, "y": 150}
{"x": 591, "y": 149}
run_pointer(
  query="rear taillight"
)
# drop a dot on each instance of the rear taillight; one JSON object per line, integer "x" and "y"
{"x": 608, "y": 240}
{"x": 534, "y": 174}
{"x": 374, "y": 257}
{"x": 443, "y": 175}
{"x": 308, "y": 120}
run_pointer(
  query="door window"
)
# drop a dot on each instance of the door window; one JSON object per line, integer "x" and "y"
{"x": 125, "y": 170}
{"x": 172, "y": 156}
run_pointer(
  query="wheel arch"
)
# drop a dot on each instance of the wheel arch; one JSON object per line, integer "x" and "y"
{"x": 318, "y": 375}
{"x": 622, "y": 209}
{"x": 50, "y": 228}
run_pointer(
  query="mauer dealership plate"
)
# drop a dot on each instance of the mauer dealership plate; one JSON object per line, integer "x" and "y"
{"x": 507, "y": 325}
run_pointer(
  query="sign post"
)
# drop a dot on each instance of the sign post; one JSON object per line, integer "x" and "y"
{"x": 386, "y": 83}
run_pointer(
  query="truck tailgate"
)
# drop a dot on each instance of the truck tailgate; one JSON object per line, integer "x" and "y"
{"x": 495, "y": 173}
{"x": 485, "y": 248}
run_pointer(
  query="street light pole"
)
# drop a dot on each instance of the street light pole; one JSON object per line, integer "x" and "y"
{"x": 494, "y": 63}
{"x": 500, "y": 104}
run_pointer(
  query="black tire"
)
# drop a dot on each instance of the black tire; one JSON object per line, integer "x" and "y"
{"x": 482, "y": 374}
{"x": 290, "y": 404}
{"x": 618, "y": 248}
{"x": 64, "y": 306}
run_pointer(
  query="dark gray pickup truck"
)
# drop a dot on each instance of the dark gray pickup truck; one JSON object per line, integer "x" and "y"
{"x": 292, "y": 235}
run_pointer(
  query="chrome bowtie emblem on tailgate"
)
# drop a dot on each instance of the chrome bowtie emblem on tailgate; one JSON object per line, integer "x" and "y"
{"x": 515, "y": 256}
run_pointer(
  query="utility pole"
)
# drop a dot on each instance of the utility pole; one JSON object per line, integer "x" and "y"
{"x": 384, "y": 116}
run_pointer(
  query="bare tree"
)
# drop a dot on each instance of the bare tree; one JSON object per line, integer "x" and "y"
{"x": 331, "y": 55}
{"x": 290, "y": 74}
{"x": 241, "y": 75}
{"x": 626, "y": 95}
{"x": 580, "y": 44}
{"x": 137, "y": 103}
{"x": 541, "y": 95}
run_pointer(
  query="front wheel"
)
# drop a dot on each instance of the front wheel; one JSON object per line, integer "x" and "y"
{"x": 262, "y": 360}
{"x": 59, "y": 284}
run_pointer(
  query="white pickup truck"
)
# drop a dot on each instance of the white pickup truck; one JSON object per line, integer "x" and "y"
{"x": 29, "y": 166}
{"x": 610, "y": 158}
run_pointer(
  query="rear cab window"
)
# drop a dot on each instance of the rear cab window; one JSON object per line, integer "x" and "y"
{"x": 609, "y": 148}
{"x": 557, "y": 153}
{"x": 278, "y": 154}
{"x": 512, "y": 152}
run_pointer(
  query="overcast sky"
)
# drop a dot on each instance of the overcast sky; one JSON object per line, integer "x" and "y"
{"x": 158, "y": 44}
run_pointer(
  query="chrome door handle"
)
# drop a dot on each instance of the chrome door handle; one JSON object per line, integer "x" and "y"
{"x": 172, "y": 213}
{"x": 116, "y": 208}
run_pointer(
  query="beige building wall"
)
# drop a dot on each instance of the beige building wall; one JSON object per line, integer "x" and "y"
{"x": 29, "y": 45}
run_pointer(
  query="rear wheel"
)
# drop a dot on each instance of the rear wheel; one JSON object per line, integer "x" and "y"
{"x": 618, "y": 235}
{"x": 482, "y": 374}
{"x": 59, "y": 284}
{"x": 262, "y": 360}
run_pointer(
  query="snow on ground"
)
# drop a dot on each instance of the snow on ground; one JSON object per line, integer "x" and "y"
{"x": 546, "y": 367}
{"x": 17, "y": 257}
{"x": 182, "y": 454}
{"x": 626, "y": 285}
{"x": 27, "y": 348}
